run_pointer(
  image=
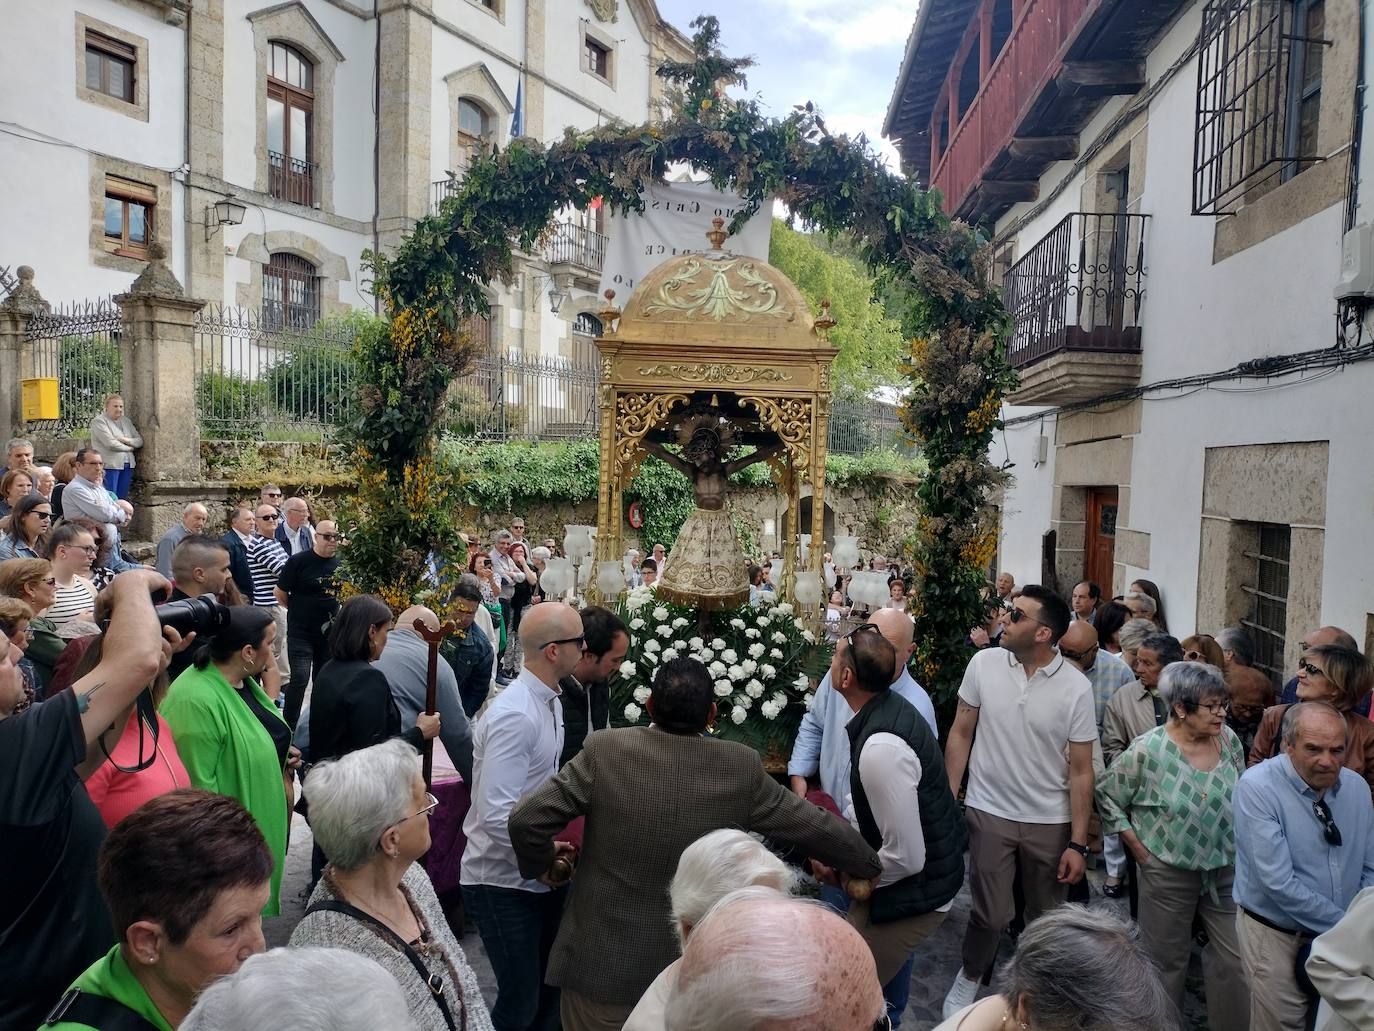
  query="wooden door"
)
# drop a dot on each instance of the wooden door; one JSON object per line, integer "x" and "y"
{"x": 1099, "y": 538}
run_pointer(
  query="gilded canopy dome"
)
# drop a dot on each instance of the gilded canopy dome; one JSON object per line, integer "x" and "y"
{"x": 715, "y": 298}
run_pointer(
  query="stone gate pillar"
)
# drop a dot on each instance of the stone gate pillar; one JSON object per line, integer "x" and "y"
{"x": 158, "y": 348}
{"x": 23, "y": 303}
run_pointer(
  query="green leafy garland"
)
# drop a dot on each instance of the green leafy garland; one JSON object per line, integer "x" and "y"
{"x": 834, "y": 184}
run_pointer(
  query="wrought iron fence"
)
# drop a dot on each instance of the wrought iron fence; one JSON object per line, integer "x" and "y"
{"x": 257, "y": 379}
{"x": 860, "y": 426}
{"x": 78, "y": 345}
{"x": 1079, "y": 289}
{"x": 572, "y": 242}
{"x": 510, "y": 395}
{"x": 291, "y": 179}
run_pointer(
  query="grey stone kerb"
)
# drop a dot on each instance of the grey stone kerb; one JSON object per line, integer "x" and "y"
{"x": 25, "y": 297}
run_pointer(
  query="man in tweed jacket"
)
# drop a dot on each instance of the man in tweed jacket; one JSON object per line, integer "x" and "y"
{"x": 648, "y": 793}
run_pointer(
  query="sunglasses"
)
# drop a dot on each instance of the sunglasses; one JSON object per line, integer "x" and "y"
{"x": 272, "y": 494}
{"x": 580, "y": 641}
{"x": 330, "y": 536}
{"x": 1019, "y": 614}
{"x": 42, "y": 515}
{"x": 269, "y": 518}
{"x": 1073, "y": 656}
{"x": 1330, "y": 831}
{"x": 862, "y": 628}
{"x": 1306, "y": 667}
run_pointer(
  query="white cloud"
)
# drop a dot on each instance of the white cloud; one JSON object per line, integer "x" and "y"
{"x": 848, "y": 28}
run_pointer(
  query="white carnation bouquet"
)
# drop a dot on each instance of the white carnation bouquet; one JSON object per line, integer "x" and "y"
{"x": 765, "y": 662}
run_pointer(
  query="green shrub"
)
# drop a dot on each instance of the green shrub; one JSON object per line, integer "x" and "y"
{"x": 231, "y": 406}
{"x": 89, "y": 369}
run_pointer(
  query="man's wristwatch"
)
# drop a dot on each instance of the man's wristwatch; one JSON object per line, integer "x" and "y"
{"x": 1082, "y": 850}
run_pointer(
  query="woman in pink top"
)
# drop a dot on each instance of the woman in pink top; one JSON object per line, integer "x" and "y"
{"x": 117, "y": 793}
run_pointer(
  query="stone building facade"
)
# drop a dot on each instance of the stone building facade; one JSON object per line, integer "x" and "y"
{"x": 334, "y": 124}
{"x": 1169, "y": 187}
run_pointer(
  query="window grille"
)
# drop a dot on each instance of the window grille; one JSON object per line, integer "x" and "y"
{"x": 1259, "y": 88}
{"x": 1268, "y": 592}
{"x": 290, "y": 293}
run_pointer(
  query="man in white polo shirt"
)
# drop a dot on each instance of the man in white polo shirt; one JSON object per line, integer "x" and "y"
{"x": 1024, "y": 806}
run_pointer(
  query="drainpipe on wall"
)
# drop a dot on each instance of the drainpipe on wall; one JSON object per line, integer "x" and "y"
{"x": 187, "y": 234}
{"x": 376, "y": 142}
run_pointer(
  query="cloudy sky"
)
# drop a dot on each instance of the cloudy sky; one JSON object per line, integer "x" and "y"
{"x": 843, "y": 55}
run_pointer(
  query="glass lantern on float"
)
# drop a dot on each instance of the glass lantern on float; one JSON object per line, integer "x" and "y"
{"x": 577, "y": 545}
{"x": 610, "y": 579}
{"x": 557, "y": 579}
{"x": 807, "y": 590}
{"x": 805, "y": 539}
{"x": 845, "y": 554}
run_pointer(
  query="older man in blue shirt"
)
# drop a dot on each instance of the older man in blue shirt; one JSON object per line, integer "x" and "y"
{"x": 822, "y": 745}
{"x": 1304, "y": 849}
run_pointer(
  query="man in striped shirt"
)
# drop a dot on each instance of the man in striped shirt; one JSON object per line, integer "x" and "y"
{"x": 265, "y": 559}
{"x": 73, "y": 550}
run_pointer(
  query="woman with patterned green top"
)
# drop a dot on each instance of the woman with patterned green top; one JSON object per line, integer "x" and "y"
{"x": 1169, "y": 797}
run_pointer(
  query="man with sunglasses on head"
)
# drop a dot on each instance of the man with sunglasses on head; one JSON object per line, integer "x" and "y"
{"x": 1304, "y": 850}
{"x": 900, "y": 801}
{"x": 1025, "y": 806}
{"x": 516, "y": 749}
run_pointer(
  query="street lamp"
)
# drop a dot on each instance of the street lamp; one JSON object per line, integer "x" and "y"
{"x": 226, "y": 212}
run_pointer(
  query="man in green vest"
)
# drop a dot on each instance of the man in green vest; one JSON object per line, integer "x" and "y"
{"x": 900, "y": 802}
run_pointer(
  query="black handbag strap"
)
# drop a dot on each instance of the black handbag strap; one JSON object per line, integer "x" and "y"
{"x": 434, "y": 982}
{"x": 78, "y": 1007}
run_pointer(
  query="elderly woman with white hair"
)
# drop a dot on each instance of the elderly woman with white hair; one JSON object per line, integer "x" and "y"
{"x": 306, "y": 990}
{"x": 1075, "y": 969}
{"x": 369, "y": 811}
{"x": 1169, "y": 796}
{"x": 710, "y": 868}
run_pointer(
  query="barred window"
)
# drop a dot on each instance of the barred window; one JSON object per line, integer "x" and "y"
{"x": 290, "y": 292}
{"x": 1268, "y": 591}
{"x": 1259, "y": 99}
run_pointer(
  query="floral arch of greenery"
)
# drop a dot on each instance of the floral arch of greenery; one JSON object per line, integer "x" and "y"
{"x": 403, "y": 517}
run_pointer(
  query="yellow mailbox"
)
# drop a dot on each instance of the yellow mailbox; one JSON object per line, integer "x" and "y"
{"x": 40, "y": 400}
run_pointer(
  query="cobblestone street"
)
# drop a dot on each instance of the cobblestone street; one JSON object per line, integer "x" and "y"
{"x": 936, "y": 960}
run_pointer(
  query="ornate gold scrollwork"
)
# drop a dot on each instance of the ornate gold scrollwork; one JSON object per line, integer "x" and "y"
{"x": 790, "y": 419}
{"x": 714, "y": 372}
{"x": 719, "y": 297}
{"x": 636, "y": 414}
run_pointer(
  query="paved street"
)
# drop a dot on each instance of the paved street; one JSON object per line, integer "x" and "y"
{"x": 930, "y": 979}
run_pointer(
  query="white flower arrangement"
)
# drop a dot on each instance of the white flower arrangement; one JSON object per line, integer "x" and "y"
{"x": 755, "y": 657}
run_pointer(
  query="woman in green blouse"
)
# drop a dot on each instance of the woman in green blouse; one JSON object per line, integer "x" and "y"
{"x": 230, "y": 735}
{"x": 1169, "y": 797}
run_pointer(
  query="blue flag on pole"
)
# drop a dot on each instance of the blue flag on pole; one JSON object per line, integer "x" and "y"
{"x": 517, "y": 121}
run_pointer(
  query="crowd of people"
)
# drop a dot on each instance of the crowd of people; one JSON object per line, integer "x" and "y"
{"x": 160, "y": 724}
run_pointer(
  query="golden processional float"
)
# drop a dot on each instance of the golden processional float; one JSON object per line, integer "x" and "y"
{"x": 717, "y": 353}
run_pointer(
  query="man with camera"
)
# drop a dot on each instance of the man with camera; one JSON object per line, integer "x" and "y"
{"x": 200, "y": 567}
{"x": 53, "y": 922}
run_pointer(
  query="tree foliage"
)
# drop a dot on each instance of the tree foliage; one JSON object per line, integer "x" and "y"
{"x": 832, "y": 183}
{"x": 870, "y": 343}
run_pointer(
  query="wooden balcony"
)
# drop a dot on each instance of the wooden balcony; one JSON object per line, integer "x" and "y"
{"x": 994, "y": 91}
{"x": 1075, "y": 300}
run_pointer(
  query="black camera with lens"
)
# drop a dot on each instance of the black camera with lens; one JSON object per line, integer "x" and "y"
{"x": 203, "y": 615}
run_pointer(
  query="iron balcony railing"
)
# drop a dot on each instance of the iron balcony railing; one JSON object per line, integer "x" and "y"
{"x": 1079, "y": 289}
{"x": 441, "y": 190}
{"x": 291, "y": 179}
{"x": 574, "y": 243}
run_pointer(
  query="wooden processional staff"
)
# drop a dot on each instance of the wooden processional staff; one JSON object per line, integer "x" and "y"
{"x": 433, "y": 638}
